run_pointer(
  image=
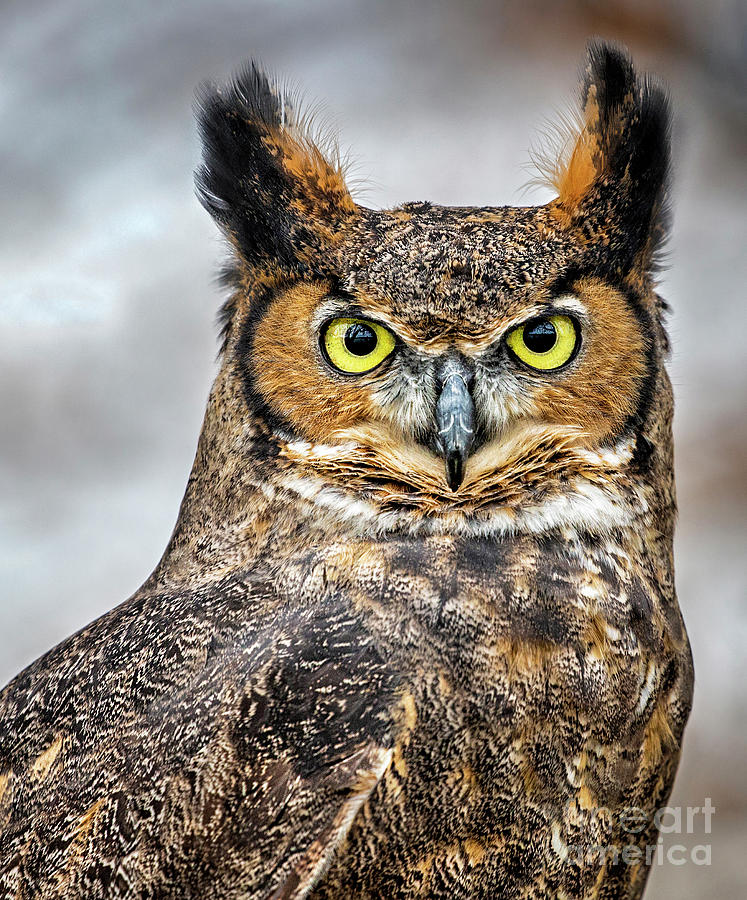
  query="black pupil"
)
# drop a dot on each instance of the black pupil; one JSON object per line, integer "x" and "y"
{"x": 360, "y": 340}
{"x": 540, "y": 336}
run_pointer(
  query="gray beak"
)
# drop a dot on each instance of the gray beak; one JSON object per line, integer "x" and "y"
{"x": 455, "y": 418}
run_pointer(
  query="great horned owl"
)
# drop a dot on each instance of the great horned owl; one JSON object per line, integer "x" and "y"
{"x": 415, "y": 633}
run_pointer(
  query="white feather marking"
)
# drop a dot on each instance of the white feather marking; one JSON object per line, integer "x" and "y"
{"x": 647, "y": 688}
{"x": 591, "y": 509}
{"x": 557, "y": 842}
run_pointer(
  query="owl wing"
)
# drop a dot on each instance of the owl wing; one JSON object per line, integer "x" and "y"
{"x": 217, "y": 743}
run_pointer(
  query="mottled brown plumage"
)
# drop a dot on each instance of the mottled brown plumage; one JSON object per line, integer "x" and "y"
{"x": 372, "y": 663}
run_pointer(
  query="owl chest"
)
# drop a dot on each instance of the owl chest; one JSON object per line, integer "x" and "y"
{"x": 492, "y": 641}
{"x": 495, "y": 709}
{"x": 526, "y": 703}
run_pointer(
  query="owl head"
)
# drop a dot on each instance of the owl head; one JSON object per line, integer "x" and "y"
{"x": 445, "y": 365}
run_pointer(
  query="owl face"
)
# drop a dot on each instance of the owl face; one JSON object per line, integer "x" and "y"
{"x": 469, "y": 331}
{"x": 447, "y": 357}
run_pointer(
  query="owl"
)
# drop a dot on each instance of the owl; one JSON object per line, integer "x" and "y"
{"x": 415, "y": 634}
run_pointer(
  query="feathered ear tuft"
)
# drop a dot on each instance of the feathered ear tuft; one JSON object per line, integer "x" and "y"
{"x": 277, "y": 195}
{"x": 612, "y": 180}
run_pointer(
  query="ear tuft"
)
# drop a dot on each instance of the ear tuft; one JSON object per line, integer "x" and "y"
{"x": 273, "y": 187}
{"x": 614, "y": 176}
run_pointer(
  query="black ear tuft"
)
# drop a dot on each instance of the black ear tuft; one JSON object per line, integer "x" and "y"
{"x": 615, "y": 180}
{"x": 263, "y": 179}
{"x": 635, "y": 136}
{"x": 610, "y": 72}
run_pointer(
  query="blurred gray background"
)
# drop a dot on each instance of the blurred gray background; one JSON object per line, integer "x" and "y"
{"x": 107, "y": 295}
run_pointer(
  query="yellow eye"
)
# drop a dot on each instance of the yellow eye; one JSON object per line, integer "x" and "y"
{"x": 545, "y": 343}
{"x": 356, "y": 346}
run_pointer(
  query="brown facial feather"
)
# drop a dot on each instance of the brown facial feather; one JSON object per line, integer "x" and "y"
{"x": 593, "y": 397}
{"x": 600, "y": 390}
{"x": 532, "y": 465}
{"x": 292, "y": 376}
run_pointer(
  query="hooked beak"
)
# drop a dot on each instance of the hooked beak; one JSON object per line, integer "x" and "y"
{"x": 455, "y": 419}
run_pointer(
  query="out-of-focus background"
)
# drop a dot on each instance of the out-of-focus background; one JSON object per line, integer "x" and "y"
{"x": 107, "y": 295}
